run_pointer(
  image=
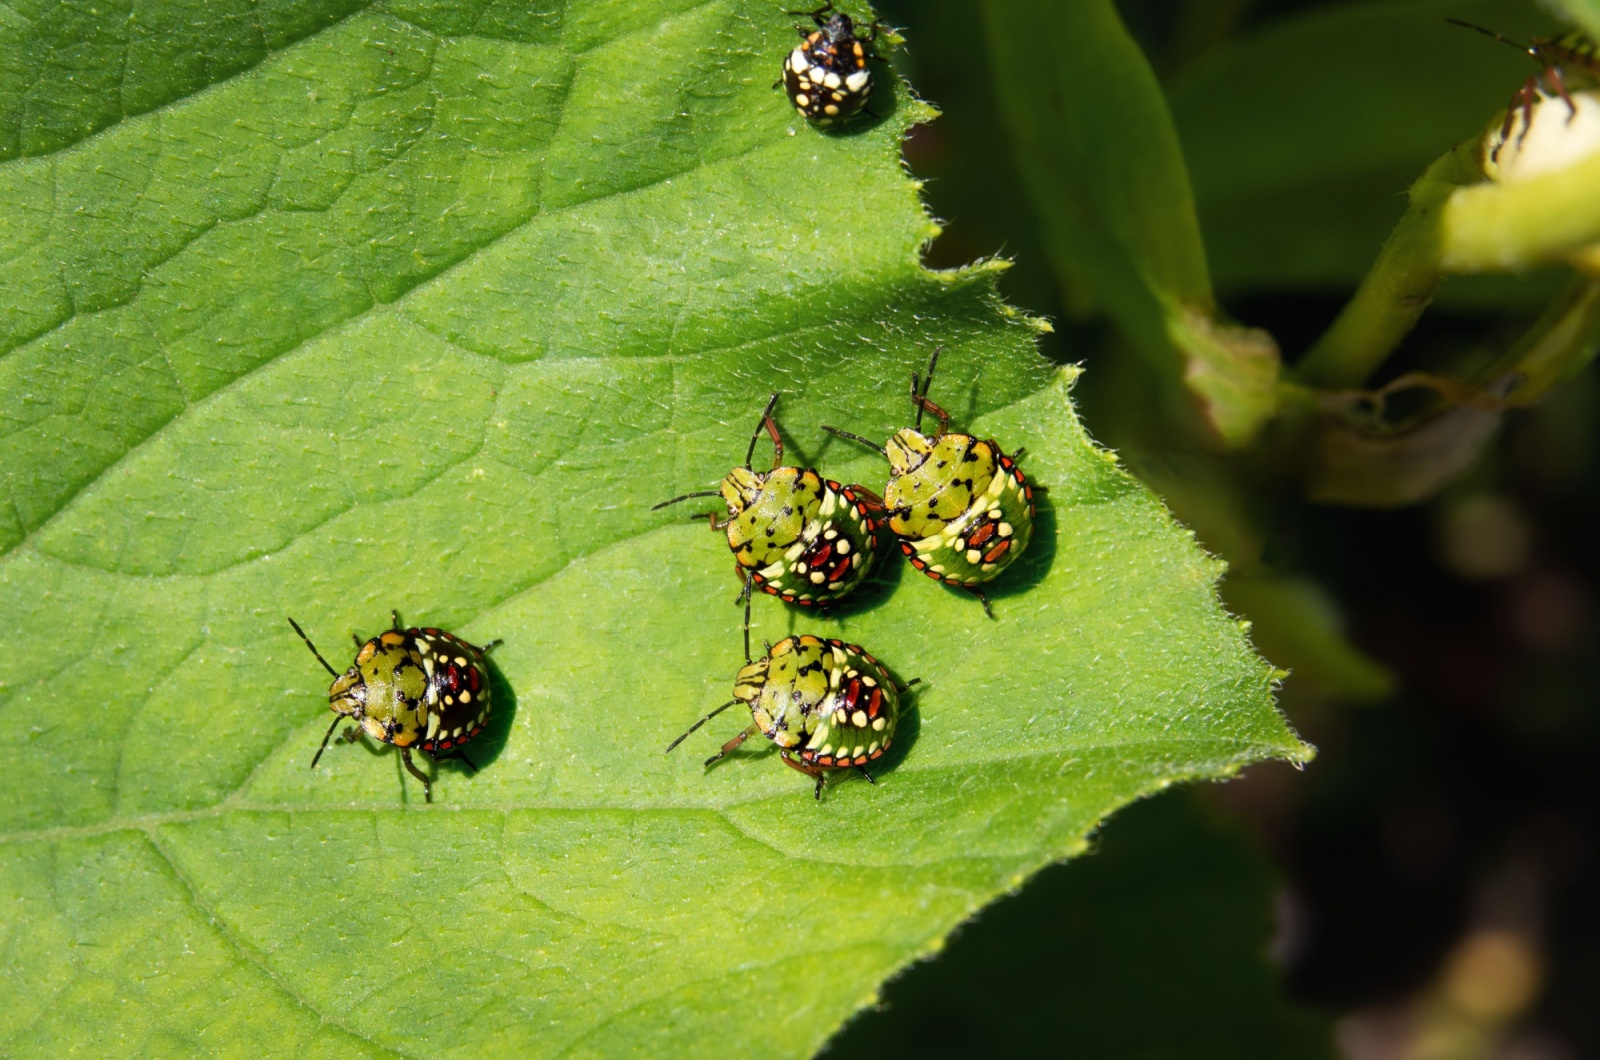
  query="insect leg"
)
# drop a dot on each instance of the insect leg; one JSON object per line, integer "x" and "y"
{"x": 811, "y": 771}
{"x": 735, "y": 742}
{"x": 427, "y": 785}
{"x": 1554, "y": 77}
{"x": 982, "y": 599}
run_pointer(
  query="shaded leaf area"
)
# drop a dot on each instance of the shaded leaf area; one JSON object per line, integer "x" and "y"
{"x": 1111, "y": 188}
{"x": 1153, "y": 945}
{"x": 1301, "y": 136}
{"x": 412, "y": 314}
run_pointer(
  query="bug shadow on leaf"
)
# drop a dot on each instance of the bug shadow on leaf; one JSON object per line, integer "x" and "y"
{"x": 487, "y": 747}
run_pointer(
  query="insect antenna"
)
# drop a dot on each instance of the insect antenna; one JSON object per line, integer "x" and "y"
{"x": 746, "y": 594}
{"x": 869, "y": 443}
{"x": 1487, "y": 32}
{"x": 771, "y": 428}
{"x": 919, "y": 398}
{"x": 686, "y": 497}
{"x": 699, "y": 723}
{"x": 337, "y": 718}
{"x": 315, "y": 652}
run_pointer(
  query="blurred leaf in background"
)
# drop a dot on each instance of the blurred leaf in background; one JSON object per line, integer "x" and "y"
{"x": 1096, "y": 146}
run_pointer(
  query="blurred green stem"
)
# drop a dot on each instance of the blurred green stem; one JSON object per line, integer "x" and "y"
{"x": 1397, "y": 288}
{"x": 1457, "y": 223}
{"x": 1558, "y": 346}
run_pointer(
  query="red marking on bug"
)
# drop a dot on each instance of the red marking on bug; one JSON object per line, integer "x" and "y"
{"x": 994, "y": 554}
{"x": 473, "y": 679}
{"x": 982, "y": 533}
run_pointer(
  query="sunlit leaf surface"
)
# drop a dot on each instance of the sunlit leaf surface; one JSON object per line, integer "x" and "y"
{"x": 329, "y": 309}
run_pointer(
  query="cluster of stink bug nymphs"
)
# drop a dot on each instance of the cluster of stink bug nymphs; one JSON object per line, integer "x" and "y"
{"x": 421, "y": 688}
{"x": 962, "y": 512}
{"x": 803, "y": 538}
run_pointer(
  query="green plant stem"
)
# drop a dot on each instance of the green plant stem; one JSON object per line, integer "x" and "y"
{"x": 1399, "y": 286}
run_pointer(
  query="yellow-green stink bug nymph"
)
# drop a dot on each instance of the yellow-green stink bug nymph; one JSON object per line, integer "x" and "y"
{"x": 962, "y": 509}
{"x": 421, "y": 688}
{"x": 803, "y": 538}
{"x": 826, "y": 76}
{"x": 828, "y": 706}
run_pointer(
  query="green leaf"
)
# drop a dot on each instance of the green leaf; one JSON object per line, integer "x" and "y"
{"x": 1100, "y": 156}
{"x": 1152, "y": 946}
{"x": 421, "y": 306}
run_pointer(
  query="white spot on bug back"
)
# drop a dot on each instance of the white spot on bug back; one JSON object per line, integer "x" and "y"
{"x": 857, "y": 81}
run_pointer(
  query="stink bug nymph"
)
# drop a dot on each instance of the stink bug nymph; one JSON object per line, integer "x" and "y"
{"x": 826, "y": 76}
{"x": 828, "y": 706}
{"x": 803, "y": 538}
{"x": 1570, "y": 61}
{"x": 962, "y": 509}
{"x": 422, "y": 688}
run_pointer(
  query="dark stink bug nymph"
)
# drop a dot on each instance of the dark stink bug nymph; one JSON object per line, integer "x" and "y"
{"x": 826, "y": 76}
{"x": 828, "y": 706}
{"x": 803, "y": 538}
{"x": 422, "y": 688}
{"x": 962, "y": 509}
